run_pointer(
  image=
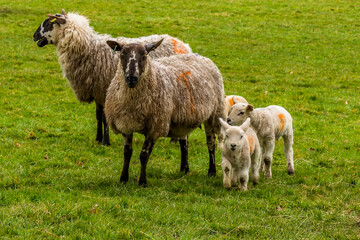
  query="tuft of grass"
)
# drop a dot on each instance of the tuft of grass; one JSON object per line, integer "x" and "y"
{"x": 57, "y": 182}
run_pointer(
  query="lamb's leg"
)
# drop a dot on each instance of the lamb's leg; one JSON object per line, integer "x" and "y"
{"x": 184, "y": 144}
{"x": 144, "y": 157}
{"x": 226, "y": 167}
{"x": 127, "y": 156}
{"x": 288, "y": 150}
{"x": 106, "y": 138}
{"x": 244, "y": 178}
{"x": 99, "y": 117}
{"x": 269, "y": 146}
{"x": 255, "y": 161}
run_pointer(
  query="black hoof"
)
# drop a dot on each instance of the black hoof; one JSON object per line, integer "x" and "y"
{"x": 212, "y": 173}
{"x": 124, "y": 179}
{"x": 291, "y": 172}
{"x": 184, "y": 169}
{"x": 104, "y": 143}
{"x": 143, "y": 184}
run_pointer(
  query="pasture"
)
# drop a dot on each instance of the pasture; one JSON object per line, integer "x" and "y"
{"x": 56, "y": 181}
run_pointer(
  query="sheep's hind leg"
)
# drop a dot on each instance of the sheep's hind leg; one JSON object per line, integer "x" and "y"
{"x": 106, "y": 138}
{"x": 184, "y": 145}
{"x": 99, "y": 118}
{"x": 127, "y": 156}
{"x": 210, "y": 142}
{"x": 144, "y": 158}
{"x": 288, "y": 150}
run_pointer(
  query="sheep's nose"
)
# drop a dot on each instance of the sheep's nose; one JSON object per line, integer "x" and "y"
{"x": 131, "y": 79}
{"x": 233, "y": 146}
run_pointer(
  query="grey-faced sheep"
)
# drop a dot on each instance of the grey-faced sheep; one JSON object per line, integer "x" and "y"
{"x": 240, "y": 150}
{"x": 165, "y": 97}
{"x": 270, "y": 124}
{"x": 87, "y": 61}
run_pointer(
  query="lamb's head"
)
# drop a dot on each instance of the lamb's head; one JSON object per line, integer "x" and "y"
{"x": 133, "y": 59}
{"x": 239, "y": 112}
{"x": 46, "y": 32}
{"x": 234, "y": 136}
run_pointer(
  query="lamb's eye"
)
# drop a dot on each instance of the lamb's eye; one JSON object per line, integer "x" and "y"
{"x": 241, "y": 137}
{"x": 241, "y": 113}
{"x": 226, "y": 136}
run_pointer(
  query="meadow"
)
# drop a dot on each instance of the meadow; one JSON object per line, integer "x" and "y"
{"x": 56, "y": 181}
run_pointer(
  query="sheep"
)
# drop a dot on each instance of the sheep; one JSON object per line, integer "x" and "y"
{"x": 270, "y": 124}
{"x": 88, "y": 63}
{"x": 165, "y": 97}
{"x": 229, "y": 102}
{"x": 241, "y": 148}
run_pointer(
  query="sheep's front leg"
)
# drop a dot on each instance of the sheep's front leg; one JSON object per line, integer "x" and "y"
{"x": 99, "y": 118}
{"x": 106, "y": 138}
{"x": 184, "y": 145}
{"x": 127, "y": 156}
{"x": 226, "y": 167}
{"x": 240, "y": 176}
{"x": 144, "y": 157}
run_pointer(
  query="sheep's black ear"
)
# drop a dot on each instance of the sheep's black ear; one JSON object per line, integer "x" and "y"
{"x": 152, "y": 46}
{"x": 57, "y": 19}
{"x": 115, "y": 46}
{"x": 63, "y": 12}
{"x": 250, "y": 108}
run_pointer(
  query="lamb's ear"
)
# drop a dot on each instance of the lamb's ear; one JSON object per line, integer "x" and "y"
{"x": 235, "y": 100}
{"x": 246, "y": 125}
{"x": 250, "y": 108}
{"x": 152, "y": 46}
{"x": 115, "y": 46}
{"x": 224, "y": 124}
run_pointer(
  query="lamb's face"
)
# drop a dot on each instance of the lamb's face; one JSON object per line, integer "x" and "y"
{"x": 239, "y": 113}
{"x": 234, "y": 137}
{"x": 133, "y": 59}
{"x": 47, "y": 30}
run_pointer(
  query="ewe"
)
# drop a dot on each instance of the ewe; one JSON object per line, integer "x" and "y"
{"x": 165, "y": 97}
{"x": 270, "y": 124}
{"x": 88, "y": 63}
{"x": 240, "y": 150}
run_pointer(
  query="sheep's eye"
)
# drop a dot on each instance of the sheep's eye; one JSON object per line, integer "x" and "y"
{"x": 226, "y": 136}
{"x": 241, "y": 113}
{"x": 241, "y": 137}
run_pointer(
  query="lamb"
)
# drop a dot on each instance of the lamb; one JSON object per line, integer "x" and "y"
{"x": 241, "y": 148}
{"x": 270, "y": 124}
{"x": 88, "y": 63}
{"x": 165, "y": 97}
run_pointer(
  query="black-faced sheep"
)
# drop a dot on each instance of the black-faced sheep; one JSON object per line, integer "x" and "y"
{"x": 165, "y": 97}
{"x": 241, "y": 150}
{"x": 270, "y": 124}
{"x": 87, "y": 61}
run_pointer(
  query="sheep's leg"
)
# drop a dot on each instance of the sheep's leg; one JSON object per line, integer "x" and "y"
{"x": 244, "y": 178}
{"x": 288, "y": 150}
{"x": 210, "y": 142}
{"x": 268, "y": 155}
{"x": 226, "y": 167}
{"x": 99, "y": 118}
{"x": 106, "y": 138}
{"x": 127, "y": 156}
{"x": 255, "y": 161}
{"x": 144, "y": 157}
{"x": 184, "y": 144}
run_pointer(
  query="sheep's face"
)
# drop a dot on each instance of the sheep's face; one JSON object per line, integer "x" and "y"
{"x": 46, "y": 32}
{"x": 133, "y": 59}
{"x": 234, "y": 136}
{"x": 239, "y": 113}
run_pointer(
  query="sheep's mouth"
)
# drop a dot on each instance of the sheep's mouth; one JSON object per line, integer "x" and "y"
{"x": 41, "y": 42}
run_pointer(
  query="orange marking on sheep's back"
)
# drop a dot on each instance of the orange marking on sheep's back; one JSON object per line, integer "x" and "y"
{"x": 179, "y": 48}
{"x": 183, "y": 76}
{"x": 251, "y": 142}
{"x": 282, "y": 121}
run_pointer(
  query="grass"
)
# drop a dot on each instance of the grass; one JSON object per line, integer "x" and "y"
{"x": 57, "y": 182}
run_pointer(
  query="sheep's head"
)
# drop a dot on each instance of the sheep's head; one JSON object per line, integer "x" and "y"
{"x": 239, "y": 112}
{"x": 133, "y": 59}
{"x": 46, "y": 32}
{"x": 234, "y": 136}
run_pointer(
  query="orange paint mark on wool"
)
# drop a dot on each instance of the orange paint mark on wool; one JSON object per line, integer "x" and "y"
{"x": 282, "y": 121}
{"x": 251, "y": 142}
{"x": 231, "y": 101}
{"x": 179, "y": 48}
{"x": 184, "y": 77}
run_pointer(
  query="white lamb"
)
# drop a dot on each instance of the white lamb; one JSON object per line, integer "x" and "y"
{"x": 229, "y": 102}
{"x": 270, "y": 124}
{"x": 241, "y": 148}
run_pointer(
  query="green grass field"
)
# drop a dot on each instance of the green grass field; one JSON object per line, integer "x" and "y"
{"x": 57, "y": 182}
